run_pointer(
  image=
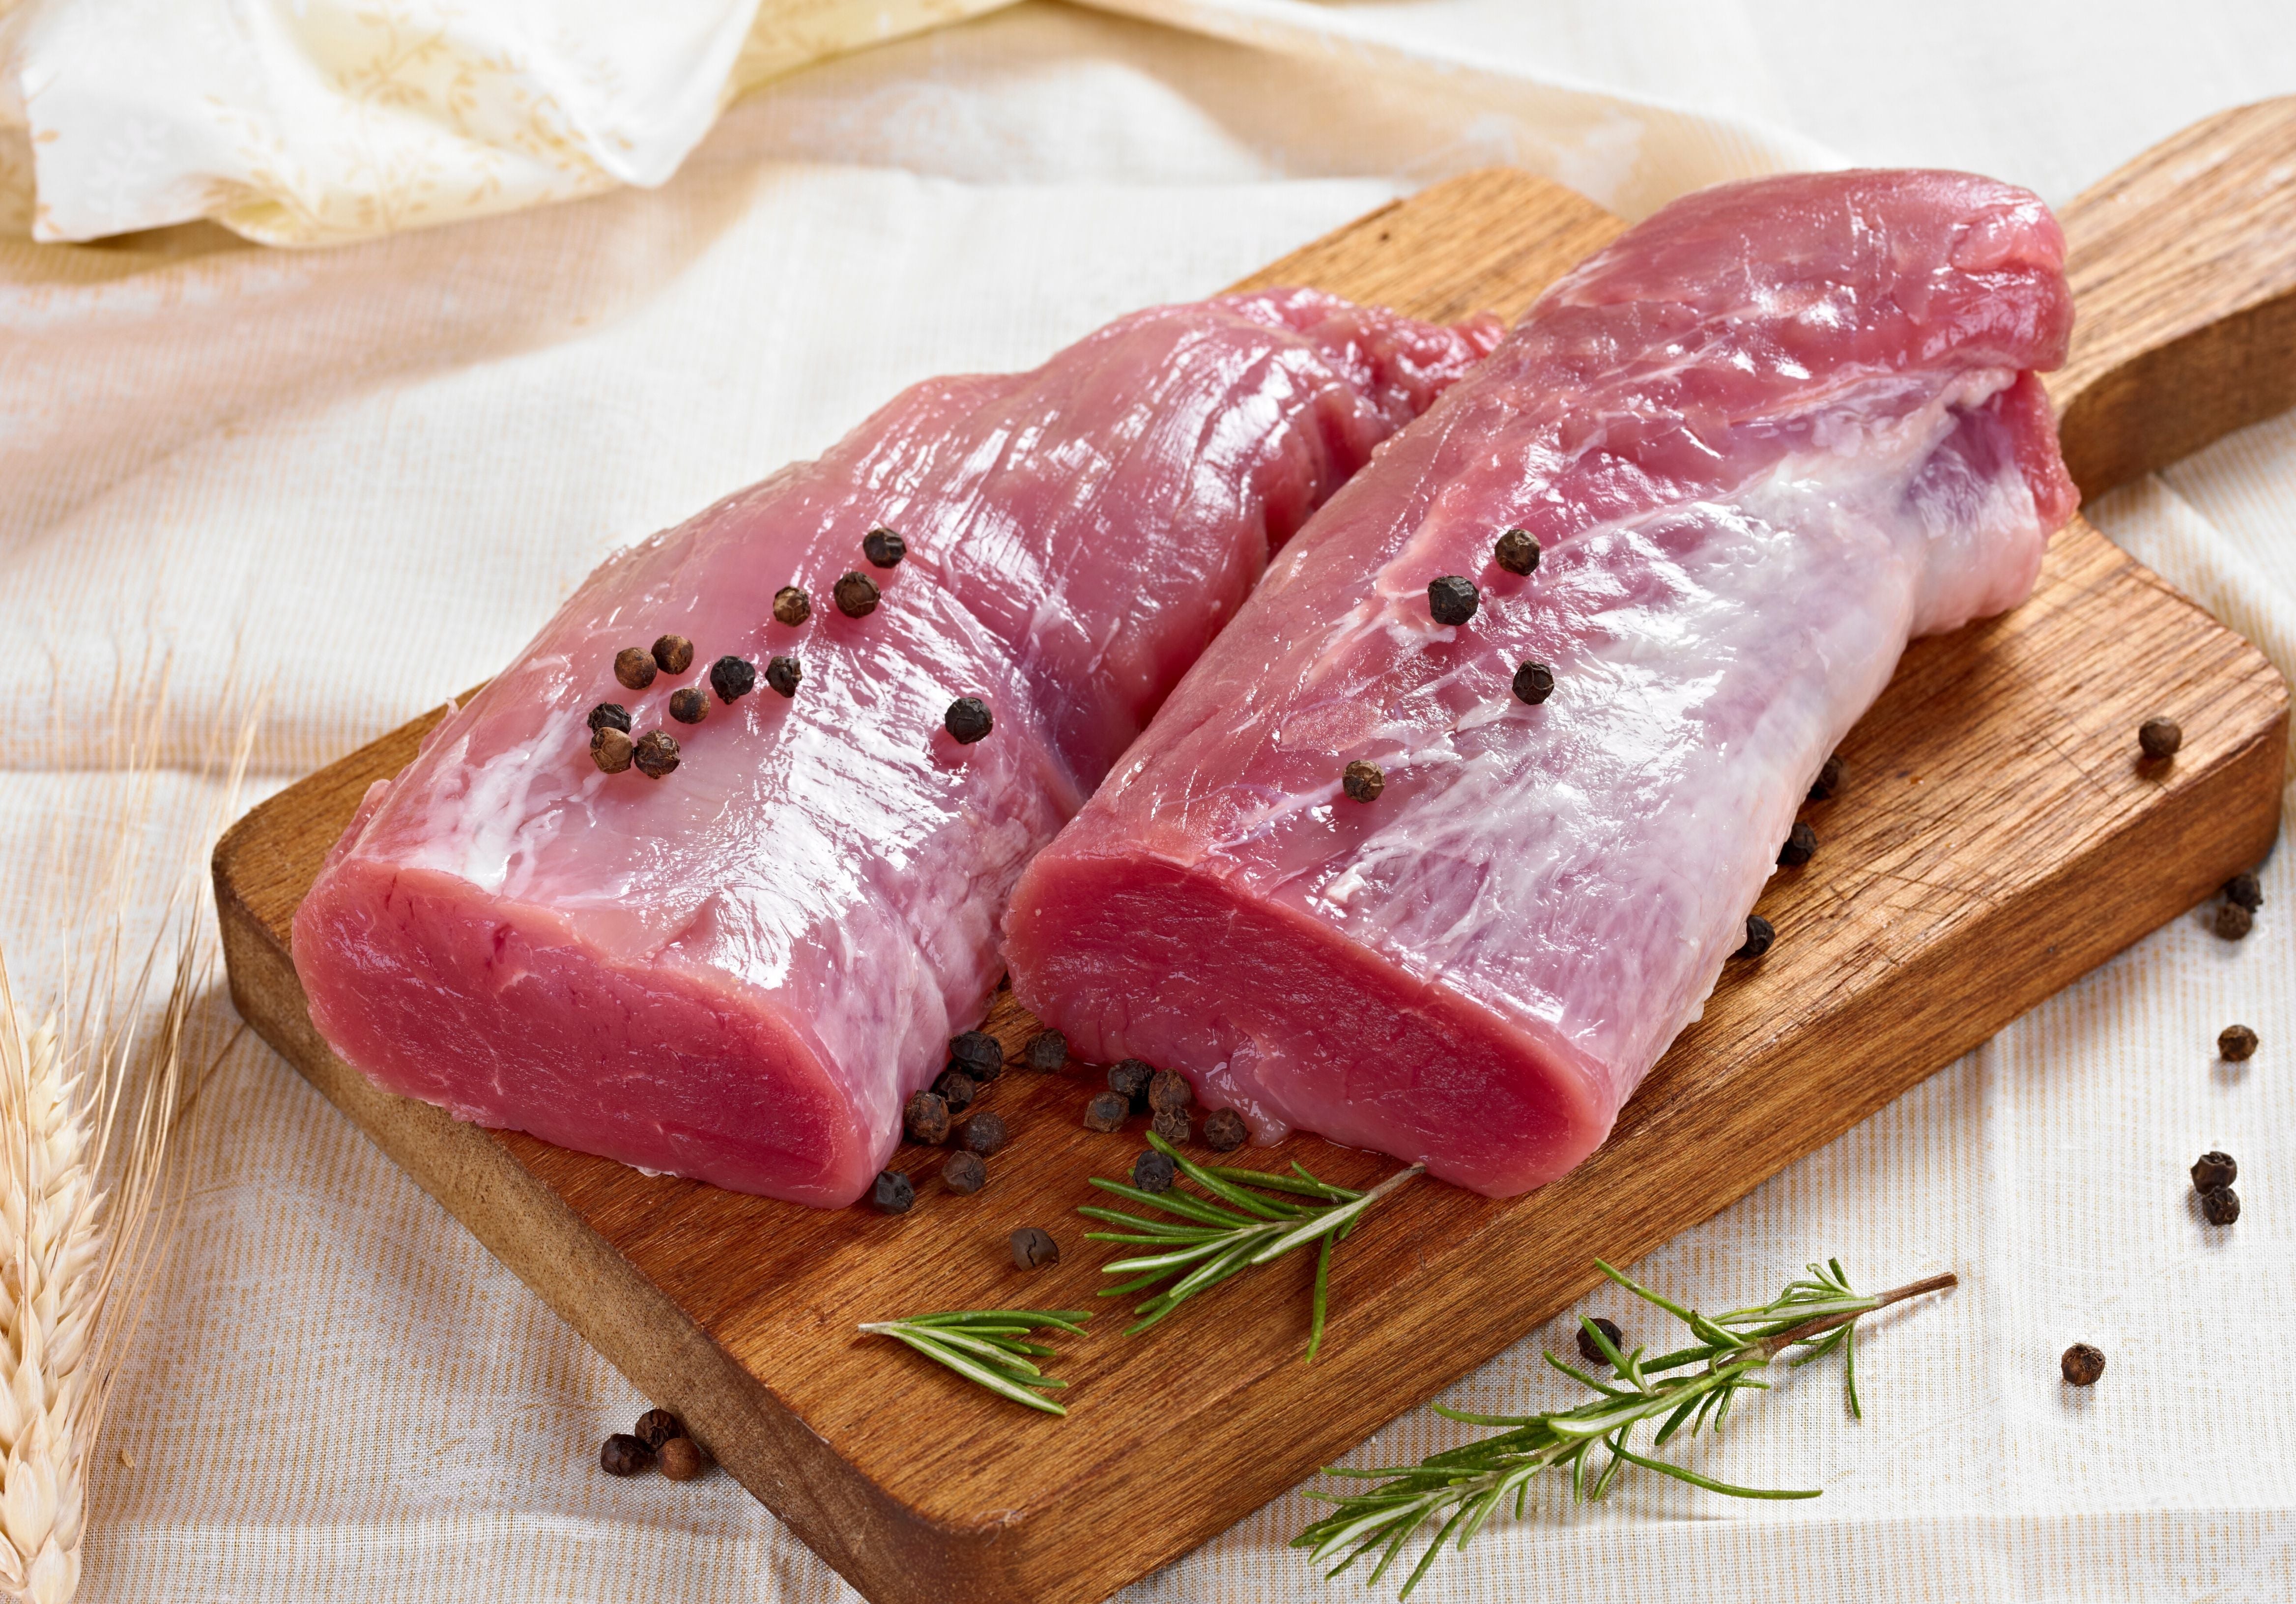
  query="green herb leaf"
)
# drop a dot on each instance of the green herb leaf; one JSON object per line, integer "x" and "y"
{"x": 1255, "y": 1228}
{"x": 1460, "y": 1487}
{"x": 988, "y": 1345}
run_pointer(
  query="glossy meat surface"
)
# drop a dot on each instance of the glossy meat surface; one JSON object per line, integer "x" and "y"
{"x": 739, "y": 972}
{"x": 1763, "y": 439}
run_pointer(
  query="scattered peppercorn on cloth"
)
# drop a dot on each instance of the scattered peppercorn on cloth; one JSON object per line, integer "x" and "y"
{"x": 363, "y": 475}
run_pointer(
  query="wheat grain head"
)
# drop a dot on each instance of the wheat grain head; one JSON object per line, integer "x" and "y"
{"x": 82, "y": 1225}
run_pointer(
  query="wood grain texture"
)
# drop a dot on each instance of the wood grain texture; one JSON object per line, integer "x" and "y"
{"x": 1997, "y": 839}
{"x": 2185, "y": 274}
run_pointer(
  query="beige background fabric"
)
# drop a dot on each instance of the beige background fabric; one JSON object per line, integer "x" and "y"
{"x": 364, "y": 474}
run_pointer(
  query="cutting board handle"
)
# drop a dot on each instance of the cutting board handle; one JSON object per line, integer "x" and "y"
{"x": 2183, "y": 265}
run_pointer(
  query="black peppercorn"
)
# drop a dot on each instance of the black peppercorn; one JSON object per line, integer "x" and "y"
{"x": 964, "y": 1172}
{"x": 657, "y": 1426}
{"x": 1516, "y": 552}
{"x": 1533, "y": 683}
{"x": 673, "y": 654}
{"x": 883, "y": 548}
{"x": 2214, "y": 1170}
{"x": 1047, "y": 1051}
{"x": 1225, "y": 1131}
{"x": 634, "y": 668}
{"x": 1452, "y": 599}
{"x": 957, "y": 1089}
{"x": 1167, "y": 1091}
{"x": 623, "y": 1454}
{"x": 2234, "y": 922}
{"x": 1152, "y": 1172}
{"x": 791, "y": 606}
{"x": 893, "y": 1192}
{"x": 689, "y": 704}
{"x": 925, "y": 1118}
{"x": 1174, "y": 1125}
{"x": 680, "y": 1459}
{"x": 2082, "y": 1365}
{"x": 984, "y": 1134}
{"x": 2220, "y": 1204}
{"x": 655, "y": 753}
{"x": 1801, "y": 846}
{"x": 1363, "y": 782}
{"x": 855, "y": 594}
{"x": 1587, "y": 1348}
{"x": 1106, "y": 1112}
{"x": 613, "y": 716}
{"x": 611, "y": 749}
{"x": 2158, "y": 738}
{"x": 732, "y": 678}
{"x": 982, "y": 1055}
{"x": 1128, "y": 1079}
{"x": 783, "y": 673}
{"x": 968, "y": 720}
{"x": 1829, "y": 779}
{"x": 1033, "y": 1247}
{"x": 2244, "y": 890}
{"x": 2236, "y": 1044}
{"x": 1759, "y": 933}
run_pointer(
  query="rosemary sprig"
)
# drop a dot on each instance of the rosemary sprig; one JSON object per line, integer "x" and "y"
{"x": 1254, "y": 1229}
{"x": 1462, "y": 1486}
{"x": 988, "y": 1345}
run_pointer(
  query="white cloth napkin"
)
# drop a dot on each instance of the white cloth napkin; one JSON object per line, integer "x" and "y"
{"x": 307, "y": 122}
{"x": 364, "y": 474}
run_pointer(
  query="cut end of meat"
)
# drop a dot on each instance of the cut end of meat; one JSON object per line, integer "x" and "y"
{"x": 661, "y": 1070}
{"x": 1291, "y": 1023}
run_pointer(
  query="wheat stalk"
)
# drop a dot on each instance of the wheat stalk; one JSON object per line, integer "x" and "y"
{"x": 82, "y": 1229}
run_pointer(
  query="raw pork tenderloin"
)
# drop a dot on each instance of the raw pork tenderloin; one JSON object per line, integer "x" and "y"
{"x": 1763, "y": 438}
{"x": 740, "y": 971}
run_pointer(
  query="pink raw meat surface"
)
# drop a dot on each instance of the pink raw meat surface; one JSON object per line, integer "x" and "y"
{"x": 1763, "y": 439}
{"x": 740, "y": 971}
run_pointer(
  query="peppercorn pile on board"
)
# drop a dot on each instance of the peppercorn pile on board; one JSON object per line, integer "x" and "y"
{"x": 1998, "y": 838}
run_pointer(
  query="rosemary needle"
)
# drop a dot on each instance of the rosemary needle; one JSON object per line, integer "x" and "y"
{"x": 1216, "y": 1242}
{"x": 1461, "y": 1487}
{"x": 988, "y": 1345}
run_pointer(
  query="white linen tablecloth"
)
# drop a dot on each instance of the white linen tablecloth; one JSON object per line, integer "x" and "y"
{"x": 364, "y": 474}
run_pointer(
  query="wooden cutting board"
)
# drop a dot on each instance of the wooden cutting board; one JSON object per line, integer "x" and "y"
{"x": 1998, "y": 838}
